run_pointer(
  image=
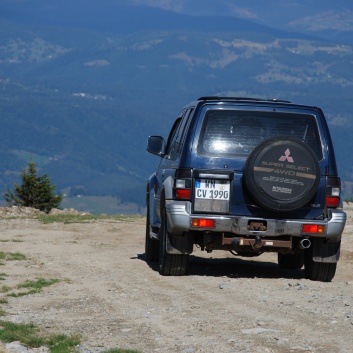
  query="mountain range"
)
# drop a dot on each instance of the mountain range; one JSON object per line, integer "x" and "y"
{"x": 83, "y": 83}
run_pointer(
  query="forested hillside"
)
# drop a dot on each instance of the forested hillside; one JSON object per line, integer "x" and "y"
{"x": 80, "y": 95}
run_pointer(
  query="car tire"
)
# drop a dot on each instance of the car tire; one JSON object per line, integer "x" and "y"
{"x": 151, "y": 245}
{"x": 291, "y": 261}
{"x": 170, "y": 264}
{"x": 282, "y": 174}
{"x": 318, "y": 271}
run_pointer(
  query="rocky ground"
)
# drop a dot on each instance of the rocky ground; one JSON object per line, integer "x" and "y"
{"x": 110, "y": 296}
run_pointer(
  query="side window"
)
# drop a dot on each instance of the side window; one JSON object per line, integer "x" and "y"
{"x": 172, "y": 135}
{"x": 177, "y": 143}
{"x": 183, "y": 127}
{"x": 177, "y": 134}
{"x": 178, "y": 138}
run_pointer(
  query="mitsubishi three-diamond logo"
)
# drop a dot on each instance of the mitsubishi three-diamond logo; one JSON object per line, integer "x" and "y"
{"x": 287, "y": 157}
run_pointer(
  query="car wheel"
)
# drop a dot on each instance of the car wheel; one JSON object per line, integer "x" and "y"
{"x": 291, "y": 261}
{"x": 151, "y": 245}
{"x": 170, "y": 264}
{"x": 282, "y": 174}
{"x": 318, "y": 271}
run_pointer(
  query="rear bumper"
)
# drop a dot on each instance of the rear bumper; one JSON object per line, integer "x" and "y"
{"x": 180, "y": 220}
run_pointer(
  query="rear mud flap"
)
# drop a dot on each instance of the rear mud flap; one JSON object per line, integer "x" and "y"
{"x": 179, "y": 244}
{"x": 325, "y": 252}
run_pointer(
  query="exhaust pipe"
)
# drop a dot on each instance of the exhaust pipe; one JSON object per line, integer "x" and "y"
{"x": 304, "y": 244}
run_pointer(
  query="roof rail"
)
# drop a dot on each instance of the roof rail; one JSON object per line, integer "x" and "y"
{"x": 242, "y": 99}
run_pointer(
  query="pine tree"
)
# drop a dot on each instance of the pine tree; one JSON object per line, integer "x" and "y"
{"x": 35, "y": 191}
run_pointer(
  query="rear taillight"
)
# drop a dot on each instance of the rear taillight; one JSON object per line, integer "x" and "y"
{"x": 182, "y": 186}
{"x": 184, "y": 194}
{"x": 333, "y": 192}
{"x": 203, "y": 223}
{"x": 313, "y": 228}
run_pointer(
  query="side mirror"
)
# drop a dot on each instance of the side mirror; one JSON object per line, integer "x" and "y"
{"x": 156, "y": 145}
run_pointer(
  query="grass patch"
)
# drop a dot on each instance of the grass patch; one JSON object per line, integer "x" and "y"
{"x": 27, "y": 334}
{"x": 22, "y": 294}
{"x": 3, "y": 301}
{"x": 13, "y": 241}
{"x": 5, "y": 289}
{"x": 87, "y": 218}
{"x": 9, "y": 256}
{"x": 34, "y": 287}
{"x": 2, "y": 312}
{"x": 30, "y": 336}
{"x": 3, "y": 276}
{"x": 62, "y": 343}
{"x": 39, "y": 283}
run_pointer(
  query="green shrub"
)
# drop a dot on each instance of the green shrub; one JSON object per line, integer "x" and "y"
{"x": 35, "y": 191}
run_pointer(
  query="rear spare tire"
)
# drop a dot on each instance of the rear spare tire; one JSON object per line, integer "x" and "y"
{"x": 282, "y": 174}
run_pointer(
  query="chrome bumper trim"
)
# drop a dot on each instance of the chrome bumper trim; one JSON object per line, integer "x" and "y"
{"x": 179, "y": 221}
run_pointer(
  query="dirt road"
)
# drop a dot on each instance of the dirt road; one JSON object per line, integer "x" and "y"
{"x": 109, "y": 295}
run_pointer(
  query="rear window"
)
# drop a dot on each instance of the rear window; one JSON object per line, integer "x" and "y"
{"x": 236, "y": 133}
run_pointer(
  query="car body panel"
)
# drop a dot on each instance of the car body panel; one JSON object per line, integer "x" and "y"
{"x": 182, "y": 152}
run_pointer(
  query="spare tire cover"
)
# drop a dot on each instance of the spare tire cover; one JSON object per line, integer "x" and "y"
{"x": 282, "y": 174}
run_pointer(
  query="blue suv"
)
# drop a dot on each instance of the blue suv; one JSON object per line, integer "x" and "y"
{"x": 248, "y": 176}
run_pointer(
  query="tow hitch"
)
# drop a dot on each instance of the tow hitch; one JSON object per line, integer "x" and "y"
{"x": 258, "y": 243}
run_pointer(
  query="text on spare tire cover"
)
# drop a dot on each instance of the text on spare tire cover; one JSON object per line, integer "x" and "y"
{"x": 284, "y": 170}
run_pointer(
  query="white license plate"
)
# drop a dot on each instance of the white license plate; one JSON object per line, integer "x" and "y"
{"x": 212, "y": 189}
